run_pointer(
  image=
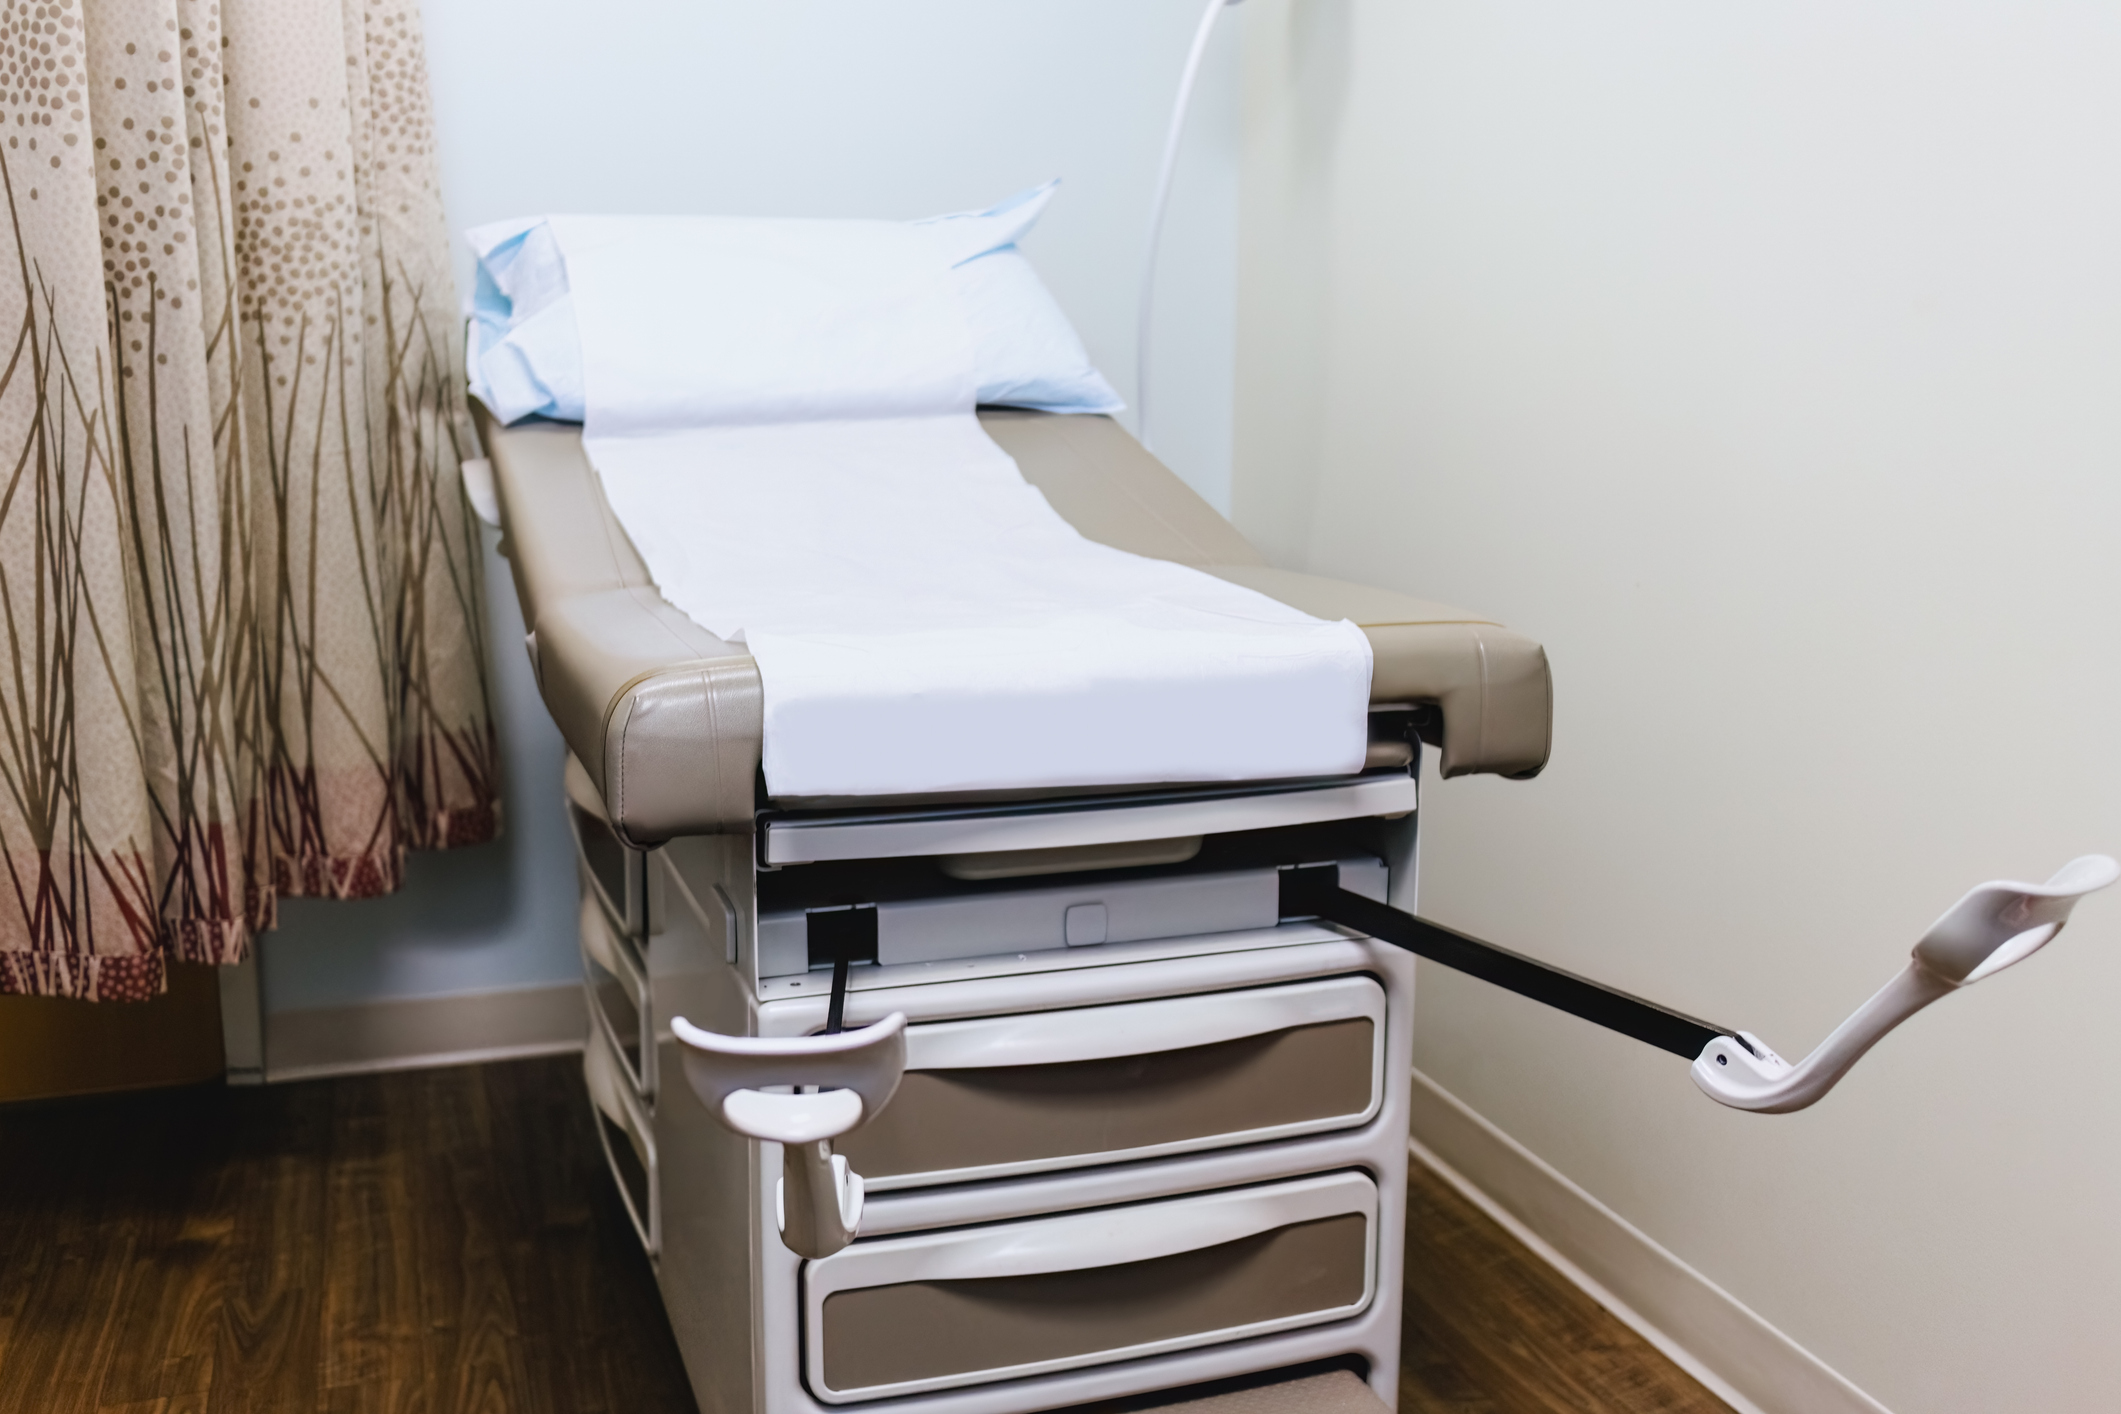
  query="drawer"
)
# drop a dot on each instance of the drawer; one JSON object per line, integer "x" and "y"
{"x": 997, "y": 1096}
{"x": 616, "y": 978}
{"x": 615, "y": 874}
{"x": 941, "y": 1310}
{"x": 627, "y": 1137}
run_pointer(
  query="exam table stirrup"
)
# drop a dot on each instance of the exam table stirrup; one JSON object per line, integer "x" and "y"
{"x": 849, "y": 1077}
{"x": 1995, "y": 925}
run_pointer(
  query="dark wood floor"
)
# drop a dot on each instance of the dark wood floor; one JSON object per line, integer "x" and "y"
{"x": 1491, "y": 1329}
{"x": 448, "y": 1241}
{"x": 433, "y": 1241}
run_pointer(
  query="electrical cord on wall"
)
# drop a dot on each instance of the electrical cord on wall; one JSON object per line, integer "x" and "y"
{"x": 1147, "y": 304}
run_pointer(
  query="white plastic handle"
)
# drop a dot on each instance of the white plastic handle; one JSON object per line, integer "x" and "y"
{"x": 792, "y": 1119}
{"x": 868, "y": 1062}
{"x": 1994, "y": 926}
{"x": 1137, "y": 1028}
{"x": 819, "y": 1201}
{"x": 1105, "y": 1237}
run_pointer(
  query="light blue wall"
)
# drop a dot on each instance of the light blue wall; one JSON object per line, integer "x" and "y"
{"x": 801, "y": 108}
{"x": 467, "y": 920}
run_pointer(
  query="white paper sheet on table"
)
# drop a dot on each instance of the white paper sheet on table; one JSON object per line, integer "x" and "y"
{"x": 811, "y": 481}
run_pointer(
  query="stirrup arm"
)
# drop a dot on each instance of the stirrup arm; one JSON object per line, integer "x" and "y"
{"x": 1995, "y": 925}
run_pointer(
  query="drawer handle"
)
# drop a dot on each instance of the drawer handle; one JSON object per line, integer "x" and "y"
{"x": 1136, "y": 1028}
{"x": 1105, "y": 1238}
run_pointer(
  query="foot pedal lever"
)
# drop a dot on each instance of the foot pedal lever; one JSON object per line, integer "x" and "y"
{"x": 1995, "y": 925}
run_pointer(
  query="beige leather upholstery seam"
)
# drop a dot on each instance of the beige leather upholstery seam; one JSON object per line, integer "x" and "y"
{"x": 611, "y": 526}
{"x": 714, "y": 725}
{"x": 1480, "y": 717}
{"x": 690, "y": 665}
{"x": 615, "y": 771}
{"x": 744, "y": 788}
{"x": 650, "y": 598}
{"x": 1133, "y": 498}
{"x": 1421, "y": 623}
{"x": 1200, "y": 552}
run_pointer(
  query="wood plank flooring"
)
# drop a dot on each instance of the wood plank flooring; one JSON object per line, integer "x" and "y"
{"x": 449, "y": 1241}
{"x": 1489, "y": 1328}
{"x": 426, "y": 1241}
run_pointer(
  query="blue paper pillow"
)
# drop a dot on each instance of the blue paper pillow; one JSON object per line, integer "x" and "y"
{"x": 525, "y": 357}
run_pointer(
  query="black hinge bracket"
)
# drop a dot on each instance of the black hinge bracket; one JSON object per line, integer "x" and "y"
{"x": 841, "y": 936}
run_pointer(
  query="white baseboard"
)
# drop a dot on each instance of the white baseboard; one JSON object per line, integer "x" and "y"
{"x": 1709, "y": 1333}
{"x": 421, "y": 1032}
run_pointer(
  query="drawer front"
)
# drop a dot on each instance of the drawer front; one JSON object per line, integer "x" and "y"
{"x": 1054, "y": 1090}
{"x": 616, "y": 980}
{"x": 944, "y": 1310}
{"x": 628, "y": 1139}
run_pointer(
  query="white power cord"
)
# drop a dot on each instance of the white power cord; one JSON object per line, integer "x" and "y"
{"x": 1201, "y": 36}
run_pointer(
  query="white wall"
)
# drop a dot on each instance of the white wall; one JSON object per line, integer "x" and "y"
{"x": 1762, "y": 361}
{"x": 860, "y": 108}
{"x": 800, "y": 108}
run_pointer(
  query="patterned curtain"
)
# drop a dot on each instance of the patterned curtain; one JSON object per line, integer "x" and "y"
{"x": 243, "y": 650}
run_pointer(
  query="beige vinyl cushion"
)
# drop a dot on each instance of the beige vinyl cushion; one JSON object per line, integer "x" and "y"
{"x": 1491, "y": 684}
{"x": 666, "y": 717}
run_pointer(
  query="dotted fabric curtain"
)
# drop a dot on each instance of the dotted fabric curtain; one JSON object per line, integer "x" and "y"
{"x": 243, "y": 647}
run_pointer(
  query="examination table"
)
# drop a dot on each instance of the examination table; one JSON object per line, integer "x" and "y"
{"x": 1151, "y": 1134}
